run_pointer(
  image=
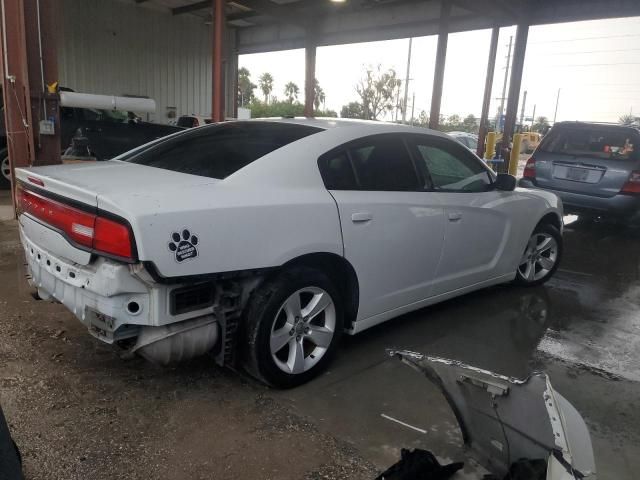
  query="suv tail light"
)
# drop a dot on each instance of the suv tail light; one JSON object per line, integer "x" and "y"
{"x": 632, "y": 185}
{"x": 87, "y": 230}
{"x": 530, "y": 169}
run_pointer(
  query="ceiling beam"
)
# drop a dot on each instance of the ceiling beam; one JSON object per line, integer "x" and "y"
{"x": 192, "y": 7}
{"x": 486, "y": 8}
{"x": 284, "y": 14}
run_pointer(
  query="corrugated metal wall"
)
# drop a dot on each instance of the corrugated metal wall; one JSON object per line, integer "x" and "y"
{"x": 110, "y": 47}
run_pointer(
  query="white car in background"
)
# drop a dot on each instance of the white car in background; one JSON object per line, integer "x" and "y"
{"x": 264, "y": 240}
{"x": 469, "y": 140}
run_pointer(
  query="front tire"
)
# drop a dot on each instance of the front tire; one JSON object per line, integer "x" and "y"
{"x": 541, "y": 256}
{"x": 293, "y": 324}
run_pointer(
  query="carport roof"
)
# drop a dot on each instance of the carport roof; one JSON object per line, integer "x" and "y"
{"x": 265, "y": 25}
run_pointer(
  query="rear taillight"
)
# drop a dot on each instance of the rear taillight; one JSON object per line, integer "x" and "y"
{"x": 530, "y": 169}
{"x": 632, "y": 185}
{"x": 85, "y": 229}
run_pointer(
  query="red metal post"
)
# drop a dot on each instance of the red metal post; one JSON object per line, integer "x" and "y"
{"x": 42, "y": 64}
{"x": 309, "y": 75}
{"x": 15, "y": 85}
{"x": 441, "y": 58}
{"x": 486, "y": 100}
{"x": 217, "y": 82}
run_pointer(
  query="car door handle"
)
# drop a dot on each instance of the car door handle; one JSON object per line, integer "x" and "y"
{"x": 455, "y": 216}
{"x": 361, "y": 217}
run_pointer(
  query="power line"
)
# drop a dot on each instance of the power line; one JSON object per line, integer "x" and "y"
{"x": 592, "y": 51}
{"x": 587, "y": 38}
{"x": 592, "y": 64}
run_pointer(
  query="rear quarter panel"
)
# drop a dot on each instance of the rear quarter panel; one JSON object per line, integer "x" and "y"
{"x": 236, "y": 228}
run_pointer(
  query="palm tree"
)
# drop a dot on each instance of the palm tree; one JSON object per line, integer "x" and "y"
{"x": 318, "y": 95}
{"x": 266, "y": 85}
{"x": 627, "y": 120}
{"x": 291, "y": 91}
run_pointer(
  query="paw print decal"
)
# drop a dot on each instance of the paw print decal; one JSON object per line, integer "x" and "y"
{"x": 183, "y": 245}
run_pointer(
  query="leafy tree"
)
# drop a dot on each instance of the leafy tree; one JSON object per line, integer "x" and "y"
{"x": 376, "y": 90}
{"x": 423, "y": 119}
{"x": 266, "y": 85}
{"x": 627, "y": 120}
{"x": 245, "y": 87}
{"x": 318, "y": 94}
{"x": 541, "y": 125}
{"x": 469, "y": 124}
{"x": 291, "y": 91}
{"x": 283, "y": 109}
{"x": 352, "y": 110}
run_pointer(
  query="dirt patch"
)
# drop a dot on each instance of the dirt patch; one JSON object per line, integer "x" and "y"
{"x": 79, "y": 411}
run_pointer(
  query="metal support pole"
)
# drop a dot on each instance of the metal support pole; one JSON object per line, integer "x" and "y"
{"x": 486, "y": 99}
{"x": 520, "y": 49}
{"x": 42, "y": 64}
{"x": 524, "y": 105}
{"x": 217, "y": 81}
{"x": 15, "y": 86}
{"x": 406, "y": 84}
{"x": 504, "y": 86}
{"x": 309, "y": 76}
{"x": 441, "y": 57}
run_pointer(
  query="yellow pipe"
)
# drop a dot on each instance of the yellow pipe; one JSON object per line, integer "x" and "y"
{"x": 490, "y": 148}
{"x": 515, "y": 154}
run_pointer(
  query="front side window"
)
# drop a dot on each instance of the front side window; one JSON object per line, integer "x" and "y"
{"x": 218, "y": 151}
{"x": 451, "y": 167}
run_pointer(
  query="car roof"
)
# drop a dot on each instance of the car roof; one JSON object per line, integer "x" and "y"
{"x": 604, "y": 125}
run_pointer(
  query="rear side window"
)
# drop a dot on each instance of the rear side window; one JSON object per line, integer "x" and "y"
{"x": 220, "y": 150}
{"x": 591, "y": 142}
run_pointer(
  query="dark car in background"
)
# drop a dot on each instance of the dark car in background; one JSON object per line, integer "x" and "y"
{"x": 105, "y": 134}
{"x": 594, "y": 168}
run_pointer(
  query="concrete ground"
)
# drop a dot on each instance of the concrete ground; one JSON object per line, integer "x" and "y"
{"x": 78, "y": 411}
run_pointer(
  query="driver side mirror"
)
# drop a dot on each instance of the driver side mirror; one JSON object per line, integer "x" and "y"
{"x": 505, "y": 182}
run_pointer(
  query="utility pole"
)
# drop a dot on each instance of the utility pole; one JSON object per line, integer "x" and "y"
{"x": 556, "y": 112}
{"x": 504, "y": 86}
{"x": 533, "y": 116}
{"x": 406, "y": 84}
{"x": 524, "y": 103}
{"x": 413, "y": 106}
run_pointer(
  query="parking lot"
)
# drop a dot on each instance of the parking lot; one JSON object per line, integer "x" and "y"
{"x": 80, "y": 411}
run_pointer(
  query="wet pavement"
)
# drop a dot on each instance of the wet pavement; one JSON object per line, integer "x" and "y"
{"x": 583, "y": 328}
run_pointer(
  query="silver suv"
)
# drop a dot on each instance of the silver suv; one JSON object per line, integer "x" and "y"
{"x": 592, "y": 167}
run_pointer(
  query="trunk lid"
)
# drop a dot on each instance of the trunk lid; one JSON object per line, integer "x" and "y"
{"x": 88, "y": 181}
{"x": 587, "y": 159}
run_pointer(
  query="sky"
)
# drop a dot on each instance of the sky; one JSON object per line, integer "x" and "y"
{"x": 595, "y": 64}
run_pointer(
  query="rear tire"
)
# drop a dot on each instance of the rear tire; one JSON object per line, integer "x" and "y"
{"x": 5, "y": 170}
{"x": 541, "y": 256}
{"x": 293, "y": 325}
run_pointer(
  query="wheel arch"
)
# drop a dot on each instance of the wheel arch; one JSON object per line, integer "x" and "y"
{"x": 551, "y": 218}
{"x": 340, "y": 271}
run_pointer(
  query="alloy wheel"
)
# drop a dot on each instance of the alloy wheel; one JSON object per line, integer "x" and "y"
{"x": 539, "y": 257}
{"x": 6, "y": 169}
{"x": 303, "y": 330}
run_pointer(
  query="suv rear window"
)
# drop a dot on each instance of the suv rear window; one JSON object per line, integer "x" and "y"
{"x": 219, "y": 150}
{"x": 605, "y": 143}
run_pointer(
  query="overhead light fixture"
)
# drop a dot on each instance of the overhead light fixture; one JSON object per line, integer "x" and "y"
{"x": 338, "y": 1}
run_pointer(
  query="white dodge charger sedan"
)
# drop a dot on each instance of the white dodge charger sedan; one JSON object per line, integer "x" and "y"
{"x": 262, "y": 241}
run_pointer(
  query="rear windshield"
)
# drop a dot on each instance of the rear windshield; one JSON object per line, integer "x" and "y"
{"x": 592, "y": 142}
{"x": 218, "y": 151}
